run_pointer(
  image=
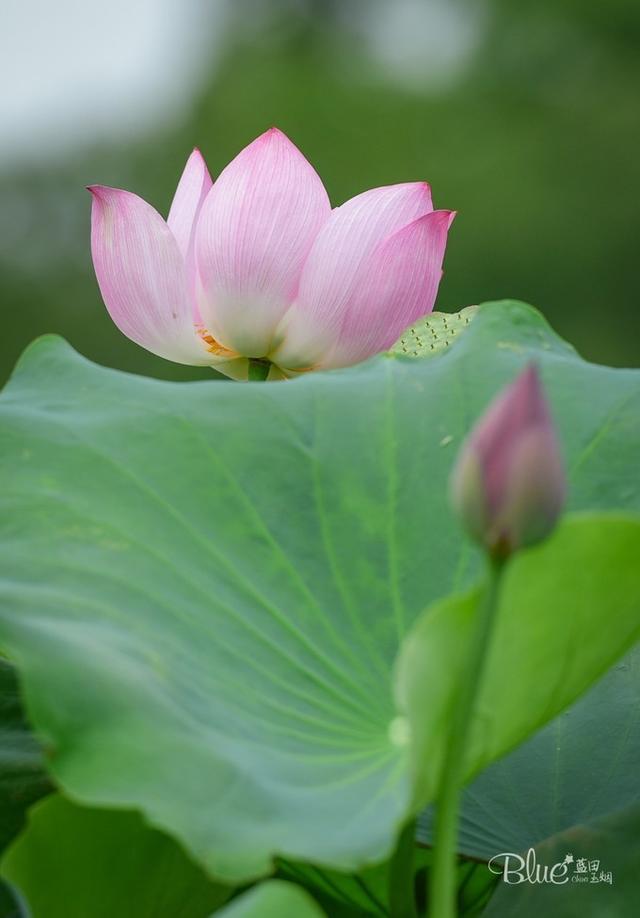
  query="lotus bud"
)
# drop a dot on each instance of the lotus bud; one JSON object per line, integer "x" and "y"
{"x": 508, "y": 485}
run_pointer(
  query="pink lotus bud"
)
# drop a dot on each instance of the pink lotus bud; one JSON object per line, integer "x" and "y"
{"x": 258, "y": 266}
{"x": 508, "y": 484}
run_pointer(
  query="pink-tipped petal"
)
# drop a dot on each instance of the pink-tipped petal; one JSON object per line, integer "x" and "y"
{"x": 354, "y": 230}
{"x": 399, "y": 287}
{"x": 255, "y": 231}
{"x": 340, "y": 253}
{"x": 338, "y": 263}
{"x": 142, "y": 276}
{"x": 393, "y": 286}
{"x": 192, "y": 189}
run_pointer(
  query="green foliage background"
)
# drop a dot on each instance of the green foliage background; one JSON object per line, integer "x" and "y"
{"x": 536, "y": 147}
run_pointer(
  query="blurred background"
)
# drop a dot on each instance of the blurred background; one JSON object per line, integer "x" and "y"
{"x": 524, "y": 117}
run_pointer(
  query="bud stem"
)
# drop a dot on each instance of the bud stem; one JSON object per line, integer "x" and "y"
{"x": 442, "y": 879}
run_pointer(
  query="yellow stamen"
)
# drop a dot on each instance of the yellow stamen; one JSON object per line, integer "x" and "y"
{"x": 213, "y": 346}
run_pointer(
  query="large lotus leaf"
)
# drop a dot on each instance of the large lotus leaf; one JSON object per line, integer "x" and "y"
{"x": 205, "y": 585}
{"x": 72, "y": 862}
{"x": 273, "y": 899}
{"x": 601, "y": 878}
{"x": 580, "y": 766}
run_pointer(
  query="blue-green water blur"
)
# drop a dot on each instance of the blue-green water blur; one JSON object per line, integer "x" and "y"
{"x": 527, "y": 123}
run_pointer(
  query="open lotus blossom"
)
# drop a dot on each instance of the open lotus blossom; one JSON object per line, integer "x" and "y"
{"x": 255, "y": 274}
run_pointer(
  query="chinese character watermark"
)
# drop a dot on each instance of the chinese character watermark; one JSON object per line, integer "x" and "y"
{"x": 514, "y": 869}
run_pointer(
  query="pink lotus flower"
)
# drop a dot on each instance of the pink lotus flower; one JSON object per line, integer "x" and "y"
{"x": 508, "y": 484}
{"x": 257, "y": 268}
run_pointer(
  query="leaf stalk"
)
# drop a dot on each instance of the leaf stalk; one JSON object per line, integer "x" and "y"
{"x": 442, "y": 876}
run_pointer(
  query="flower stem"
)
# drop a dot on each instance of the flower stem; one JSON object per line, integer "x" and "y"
{"x": 402, "y": 902}
{"x": 442, "y": 880}
{"x": 258, "y": 369}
